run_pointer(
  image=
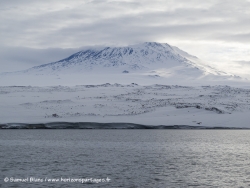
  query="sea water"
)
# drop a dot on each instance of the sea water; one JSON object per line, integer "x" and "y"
{"x": 124, "y": 158}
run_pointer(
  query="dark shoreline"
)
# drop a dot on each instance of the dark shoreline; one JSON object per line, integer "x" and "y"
{"x": 93, "y": 125}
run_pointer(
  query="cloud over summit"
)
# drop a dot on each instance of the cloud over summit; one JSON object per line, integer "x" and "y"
{"x": 195, "y": 25}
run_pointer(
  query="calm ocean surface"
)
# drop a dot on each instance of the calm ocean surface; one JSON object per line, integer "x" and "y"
{"x": 129, "y": 158}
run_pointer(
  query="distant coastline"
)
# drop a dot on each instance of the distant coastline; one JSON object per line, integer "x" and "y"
{"x": 94, "y": 125}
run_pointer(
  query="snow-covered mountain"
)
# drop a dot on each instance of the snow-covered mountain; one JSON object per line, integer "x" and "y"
{"x": 148, "y": 56}
{"x": 141, "y": 63}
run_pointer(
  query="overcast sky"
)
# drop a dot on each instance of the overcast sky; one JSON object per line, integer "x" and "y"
{"x": 34, "y": 32}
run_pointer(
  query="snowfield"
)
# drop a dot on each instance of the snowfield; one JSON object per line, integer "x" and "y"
{"x": 209, "y": 106}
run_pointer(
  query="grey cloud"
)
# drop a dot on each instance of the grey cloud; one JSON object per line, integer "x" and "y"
{"x": 243, "y": 63}
{"x": 129, "y": 28}
{"x": 17, "y": 58}
{"x": 205, "y": 22}
{"x": 240, "y": 38}
{"x": 72, "y": 24}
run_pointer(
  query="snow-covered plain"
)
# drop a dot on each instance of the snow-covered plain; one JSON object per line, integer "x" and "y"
{"x": 158, "y": 84}
{"x": 212, "y": 106}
